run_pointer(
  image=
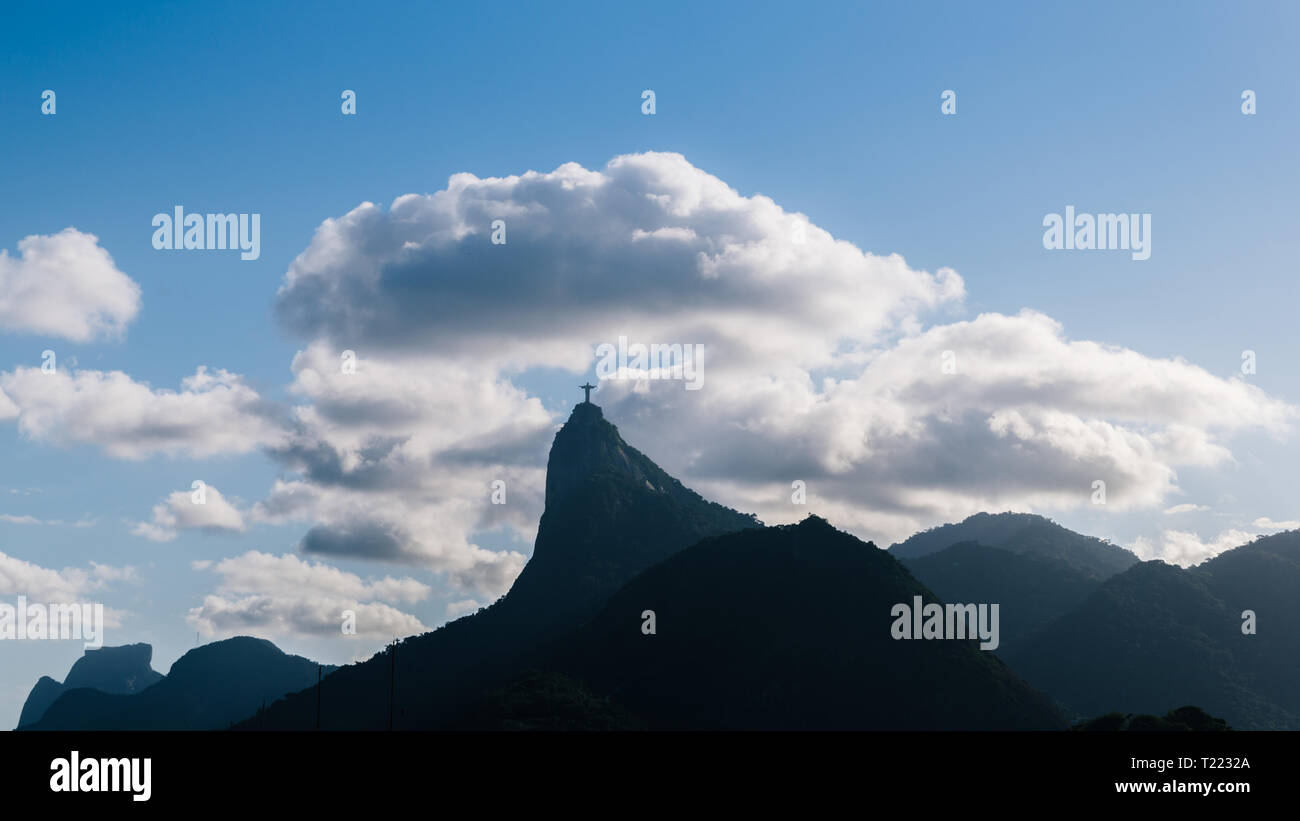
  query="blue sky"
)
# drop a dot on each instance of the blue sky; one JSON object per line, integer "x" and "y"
{"x": 832, "y": 111}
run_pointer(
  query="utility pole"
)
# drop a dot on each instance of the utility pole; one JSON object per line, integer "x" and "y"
{"x": 318, "y": 677}
{"x": 392, "y": 679}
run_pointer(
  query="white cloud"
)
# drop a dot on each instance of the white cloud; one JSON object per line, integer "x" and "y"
{"x": 1186, "y": 549}
{"x": 214, "y": 413}
{"x": 1029, "y": 420}
{"x": 64, "y": 285}
{"x": 26, "y": 519}
{"x": 71, "y": 584}
{"x": 397, "y": 459}
{"x": 456, "y": 609}
{"x": 650, "y": 245}
{"x": 1184, "y": 508}
{"x": 263, "y": 594}
{"x": 1265, "y": 523}
{"x": 179, "y": 511}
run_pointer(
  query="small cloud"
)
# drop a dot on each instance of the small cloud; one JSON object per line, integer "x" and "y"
{"x": 1187, "y": 508}
{"x": 108, "y": 573}
{"x": 180, "y": 512}
{"x": 1265, "y": 523}
{"x": 1187, "y": 549}
{"x": 457, "y": 609}
{"x": 65, "y": 285}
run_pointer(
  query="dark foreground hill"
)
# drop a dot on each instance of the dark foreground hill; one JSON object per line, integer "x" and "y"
{"x": 789, "y": 628}
{"x": 207, "y": 689}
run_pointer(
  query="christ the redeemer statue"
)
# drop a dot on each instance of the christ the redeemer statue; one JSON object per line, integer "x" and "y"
{"x": 587, "y": 387}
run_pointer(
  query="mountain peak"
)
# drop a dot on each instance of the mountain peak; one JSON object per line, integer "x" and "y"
{"x": 610, "y": 513}
{"x": 585, "y": 413}
{"x": 585, "y": 446}
{"x": 114, "y": 670}
{"x": 1023, "y": 533}
{"x": 814, "y": 522}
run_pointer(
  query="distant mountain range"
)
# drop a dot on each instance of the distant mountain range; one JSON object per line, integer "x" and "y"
{"x": 1088, "y": 623}
{"x": 208, "y": 688}
{"x": 1035, "y": 569}
{"x": 766, "y": 628}
{"x": 1156, "y": 635}
{"x": 113, "y": 670}
{"x": 1026, "y": 535}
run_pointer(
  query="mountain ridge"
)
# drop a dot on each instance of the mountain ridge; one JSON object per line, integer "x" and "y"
{"x": 115, "y": 670}
{"x": 208, "y": 688}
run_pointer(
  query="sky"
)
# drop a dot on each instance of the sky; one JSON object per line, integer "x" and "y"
{"x": 867, "y": 275}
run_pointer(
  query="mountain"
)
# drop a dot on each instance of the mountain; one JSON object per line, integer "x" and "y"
{"x": 789, "y": 628}
{"x": 1032, "y": 591}
{"x": 610, "y": 513}
{"x": 1264, "y": 577}
{"x": 1158, "y": 636}
{"x": 116, "y": 670}
{"x": 208, "y": 688}
{"x": 1024, "y": 534}
{"x": 1036, "y": 570}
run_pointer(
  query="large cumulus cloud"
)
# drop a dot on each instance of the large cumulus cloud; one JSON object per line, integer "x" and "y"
{"x": 823, "y": 363}
{"x": 648, "y": 245}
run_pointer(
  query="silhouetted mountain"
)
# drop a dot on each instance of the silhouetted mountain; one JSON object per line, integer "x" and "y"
{"x": 610, "y": 513}
{"x": 117, "y": 670}
{"x": 789, "y": 628}
{"x": 1031, "y": 590}
{"x": 208, "y": 688}
{"x": 1264, "y": 577}
{"x": 43, "y": 694}
{"x": 759, "y": 627}
{"x": 1024, "y": 534}
{"x": 1158, "y": 635}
